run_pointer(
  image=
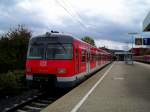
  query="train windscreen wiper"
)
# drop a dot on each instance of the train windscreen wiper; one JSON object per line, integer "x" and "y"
{"x": 62, "y": 46}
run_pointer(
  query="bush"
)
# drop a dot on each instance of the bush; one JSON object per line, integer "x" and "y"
{"x": 12, "y": 83}
{"x": 13, "y": 49}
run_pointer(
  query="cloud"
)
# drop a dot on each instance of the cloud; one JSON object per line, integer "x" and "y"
{"x": 104, "y": 20}
{"x": 112, "y": 44}
{"x": 8, "y": 2}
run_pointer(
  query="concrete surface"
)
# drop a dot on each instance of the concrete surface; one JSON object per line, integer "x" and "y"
{"x": 125, "y": 88}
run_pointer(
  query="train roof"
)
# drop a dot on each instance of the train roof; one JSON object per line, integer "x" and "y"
{"x": 53, "y": 38}
{"x": 61, "y": 37}
{"x": 48, "y": 34}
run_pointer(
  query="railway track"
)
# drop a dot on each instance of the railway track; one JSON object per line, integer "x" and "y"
{"x": 37, "y": 102}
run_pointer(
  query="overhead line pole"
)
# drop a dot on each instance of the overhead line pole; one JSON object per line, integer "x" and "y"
{"x": 132, "y": 37}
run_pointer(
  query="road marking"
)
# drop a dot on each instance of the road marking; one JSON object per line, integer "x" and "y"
{"x": 78, "y": 105}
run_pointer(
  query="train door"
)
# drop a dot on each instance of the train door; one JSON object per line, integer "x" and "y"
{"x": 77, "y": 60}
{"x": 100, "y": 59}
{"x": 96, "y": 58}
{"x": 88, "y": 61}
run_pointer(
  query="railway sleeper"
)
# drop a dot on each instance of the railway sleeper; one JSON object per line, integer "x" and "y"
{"x": 29, "y": 108}
{"x": 19, "y": 110}
{"x": 39, "y": 104}
{"x": 44, "y": 101}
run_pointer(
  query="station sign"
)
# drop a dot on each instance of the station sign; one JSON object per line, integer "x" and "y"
{"x": 146, "y": 41}
{"x": 138, "y": 41}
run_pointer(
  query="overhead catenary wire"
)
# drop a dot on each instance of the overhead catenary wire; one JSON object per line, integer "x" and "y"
{"x": 79, "y": 15}
{"x": 71, "y": 8}
{"x": 76, "y": 16}
{"x": 72, "y": 16}
{"x": 75, "y": 11}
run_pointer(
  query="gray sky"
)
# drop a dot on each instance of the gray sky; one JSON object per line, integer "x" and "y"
{"x": 107, "y": 21}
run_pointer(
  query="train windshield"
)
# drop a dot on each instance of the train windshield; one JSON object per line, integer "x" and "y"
{"x": 36, "y": 52}
{"x": 59, "y": 51}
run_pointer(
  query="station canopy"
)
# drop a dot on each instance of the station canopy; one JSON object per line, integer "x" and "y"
{"x": 146, "y": 23}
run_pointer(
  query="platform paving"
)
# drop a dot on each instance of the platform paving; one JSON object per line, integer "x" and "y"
{"x": 125, "y": 88}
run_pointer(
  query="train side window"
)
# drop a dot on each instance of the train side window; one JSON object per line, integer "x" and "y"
{"x": 92, "y": 57}
{"x": 76, "y": 52}
{"x": 88, "y": 56}
{"x": 83, "y": 54}
{"x": 95, "y": 57}
{"x": 99, "y": 57}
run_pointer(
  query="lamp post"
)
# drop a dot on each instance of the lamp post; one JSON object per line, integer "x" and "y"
{"x": 132, "y": 36}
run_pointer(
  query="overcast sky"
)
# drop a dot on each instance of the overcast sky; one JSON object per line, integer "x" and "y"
{"x": 107, "y": 21}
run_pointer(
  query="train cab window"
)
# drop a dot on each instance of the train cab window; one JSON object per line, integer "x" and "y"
{"x": 83, "y": 54}
{"x": 35, "y": 52}
{"x": 59, "y": 51}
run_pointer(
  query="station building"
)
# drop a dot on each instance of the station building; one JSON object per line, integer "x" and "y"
{"x": 146, "y": 23}
{"x": 146, "y": 28}
{"x": 123, "y": 56}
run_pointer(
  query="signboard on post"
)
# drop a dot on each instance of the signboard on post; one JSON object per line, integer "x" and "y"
{"x": 138, "y": 41}
{"x": 146, "y": 41}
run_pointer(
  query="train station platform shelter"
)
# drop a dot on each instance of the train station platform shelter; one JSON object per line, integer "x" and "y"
{"x": 123, "y": 56}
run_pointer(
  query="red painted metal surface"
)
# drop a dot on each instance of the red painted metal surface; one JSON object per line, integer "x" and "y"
{"x": 69, "y": 68}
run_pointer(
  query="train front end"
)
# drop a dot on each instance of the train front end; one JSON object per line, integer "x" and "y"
{"x": 50, "y": 60}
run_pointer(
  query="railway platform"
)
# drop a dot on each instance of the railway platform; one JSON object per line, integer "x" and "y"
{"x": 119, "y": 87}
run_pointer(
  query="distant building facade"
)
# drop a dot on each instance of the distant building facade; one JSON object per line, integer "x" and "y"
{"x": 146, "y": 23}
{"x": 123, "y": 56}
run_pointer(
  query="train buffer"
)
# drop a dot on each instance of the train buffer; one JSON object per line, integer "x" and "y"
{"x": 119, "y": 87}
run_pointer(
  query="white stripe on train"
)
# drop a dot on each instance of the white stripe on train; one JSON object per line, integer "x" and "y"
{"x": 77, "y": 76}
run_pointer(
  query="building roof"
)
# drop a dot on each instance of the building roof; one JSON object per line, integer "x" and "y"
{"x": 123, "y": 53}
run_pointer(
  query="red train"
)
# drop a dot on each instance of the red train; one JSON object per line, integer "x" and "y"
{"x": 62, "y": 59}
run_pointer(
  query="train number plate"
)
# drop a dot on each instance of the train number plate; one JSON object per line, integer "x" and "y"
{"x": 43, "y": 63}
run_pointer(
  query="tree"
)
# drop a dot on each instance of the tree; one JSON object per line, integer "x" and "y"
{"x": 89, "y": 40}
{"x": 13, "y": 48}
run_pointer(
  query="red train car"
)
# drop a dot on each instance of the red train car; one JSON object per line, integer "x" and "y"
{"x": 62, "y": 59}
{"x": 144, "y": 58}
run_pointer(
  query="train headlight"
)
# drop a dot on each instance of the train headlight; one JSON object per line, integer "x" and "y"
{"x": 28, "y": 69}
{"x": 29, "y": 77}
{"x": 61, "y": 70}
